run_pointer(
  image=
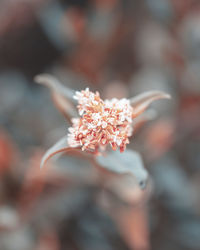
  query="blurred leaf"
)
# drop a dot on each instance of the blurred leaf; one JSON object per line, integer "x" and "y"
{"x": 55, "y": 85}
{"x": 126, "y": 162}
{"x": 62, "y": 95}
{"x": 139, "y": 121}
{"x": 9, "y": 218}
{"x": 142, "y": 101}
{"x": 8, "y": 152}
{"x": 64, "y": 106}
{"x": 126, "y": 188}
{"x": 133, "y": 225}
{"x": 59, "y": 147}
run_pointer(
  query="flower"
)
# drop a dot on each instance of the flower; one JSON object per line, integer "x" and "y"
{"x": 101, "y": 122}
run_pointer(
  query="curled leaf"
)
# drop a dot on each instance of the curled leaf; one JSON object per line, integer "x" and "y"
{"x": 128, "y": 162}
{"x": 56, "y": 86}
{"x": 59, "y": 147}
{"x": 139, "y": 121}
{"x": 64, "y": 106}
{"x": 142, "y": 101}
{"x": 62, "y": 96}
{"x": 127, "y": 189}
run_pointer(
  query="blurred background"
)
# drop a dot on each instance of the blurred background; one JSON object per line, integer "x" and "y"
{"x": 120, "y": 48}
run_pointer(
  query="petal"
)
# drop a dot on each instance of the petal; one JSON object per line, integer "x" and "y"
{"x": 142, "y": 101}
{"x": 128, "y": 162}
{"x": 59, "y": 147}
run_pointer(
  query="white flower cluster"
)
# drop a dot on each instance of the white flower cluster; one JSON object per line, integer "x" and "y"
{"x": 101, "y": 123}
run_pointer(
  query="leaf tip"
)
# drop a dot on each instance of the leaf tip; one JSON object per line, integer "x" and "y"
{"x": 166, "y": 96}
{"x": 41, "y": 78}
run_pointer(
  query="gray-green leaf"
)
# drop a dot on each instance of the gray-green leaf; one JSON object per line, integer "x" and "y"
{"x": 126, "y": 162}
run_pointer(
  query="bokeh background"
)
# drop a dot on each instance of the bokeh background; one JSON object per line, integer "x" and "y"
{"x": 120, "y": 48}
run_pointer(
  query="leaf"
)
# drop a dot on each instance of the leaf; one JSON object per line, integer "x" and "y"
{"x": 59, "y": 147}
{"x": 125, "y": 186}
{"x": 126, "y": 162}
{"x": 64, "y": 106}
{"x": 56, "y": 86}
{"x": 142, "y": 101}
{"x": 62, "y": 96}
{"x": 139, "y": 121}
{"x": 133, "y": 224}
